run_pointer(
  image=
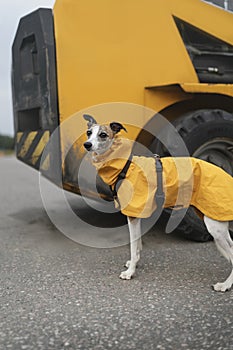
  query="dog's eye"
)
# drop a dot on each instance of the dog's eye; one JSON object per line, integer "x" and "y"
{"x": 103, "y": 135}
{"x": 89, "y": 132}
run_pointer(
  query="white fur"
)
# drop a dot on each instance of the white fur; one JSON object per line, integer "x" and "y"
{"x": 94, "y": 139}
{"x": 135, "y": 247}
{"x": 219, "y": 230}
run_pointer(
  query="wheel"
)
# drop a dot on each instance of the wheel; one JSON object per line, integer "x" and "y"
{"x": 208, "y": 135}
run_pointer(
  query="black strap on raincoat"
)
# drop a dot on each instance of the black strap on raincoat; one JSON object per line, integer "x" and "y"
{"x": 121, "y": 177}
{"x": 159, "y": 195}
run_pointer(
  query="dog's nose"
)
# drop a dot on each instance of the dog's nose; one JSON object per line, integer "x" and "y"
{"x": 87, "y": 145}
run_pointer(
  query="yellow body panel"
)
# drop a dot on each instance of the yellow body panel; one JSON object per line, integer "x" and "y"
{"x": 131, "y": 51}
{"x": 110, "y": 51}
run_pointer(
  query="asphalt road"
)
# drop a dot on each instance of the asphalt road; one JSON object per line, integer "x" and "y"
{"x": 59, "y": 294}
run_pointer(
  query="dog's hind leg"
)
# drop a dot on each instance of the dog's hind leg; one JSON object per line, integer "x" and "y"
{"x": 135, "y": 247}
{"x": 219, "y": 231}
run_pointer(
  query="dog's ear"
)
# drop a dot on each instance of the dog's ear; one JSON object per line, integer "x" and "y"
{"x": 116, "y": 127}
{"x": 90, "y": 120}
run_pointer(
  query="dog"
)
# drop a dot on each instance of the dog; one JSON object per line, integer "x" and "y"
{"x": 109, "y": 152}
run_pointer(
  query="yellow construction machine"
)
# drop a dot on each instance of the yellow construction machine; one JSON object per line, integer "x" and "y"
{"x": 174, "y": 57}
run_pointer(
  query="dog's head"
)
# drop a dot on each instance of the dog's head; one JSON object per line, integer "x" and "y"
{"x": 100, "y": 136}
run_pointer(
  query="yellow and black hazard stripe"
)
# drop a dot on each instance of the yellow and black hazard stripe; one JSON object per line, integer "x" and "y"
{"x": 30, "y": 146}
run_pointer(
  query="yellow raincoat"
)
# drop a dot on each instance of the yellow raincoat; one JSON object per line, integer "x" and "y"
{"x": 186, "y": 181}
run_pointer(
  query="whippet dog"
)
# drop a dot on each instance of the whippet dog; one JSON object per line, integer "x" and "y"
{"x": 100, "y": 143}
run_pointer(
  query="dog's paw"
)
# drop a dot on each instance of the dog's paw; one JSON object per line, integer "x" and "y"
{"x": 126, "y": 275}
{"x": 221, "y": 287}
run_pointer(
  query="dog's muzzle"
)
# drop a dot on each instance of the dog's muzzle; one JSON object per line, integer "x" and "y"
{"x": 87, "y": 145}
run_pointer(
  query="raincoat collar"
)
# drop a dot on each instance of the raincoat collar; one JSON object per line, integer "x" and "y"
{"x": 110, "y": 164}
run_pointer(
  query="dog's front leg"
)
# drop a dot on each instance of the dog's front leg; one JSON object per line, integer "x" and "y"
{"x": 135, "y": 247}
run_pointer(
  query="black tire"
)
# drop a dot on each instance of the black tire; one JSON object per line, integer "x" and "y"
{"x": 208, "y": 135}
